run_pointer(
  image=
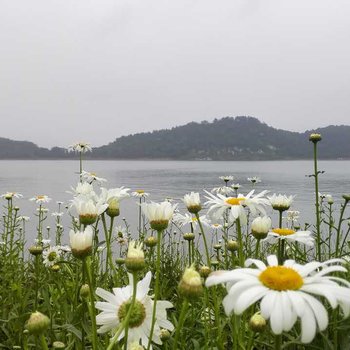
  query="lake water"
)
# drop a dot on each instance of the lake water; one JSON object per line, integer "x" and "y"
{"x": 172, "y": 179}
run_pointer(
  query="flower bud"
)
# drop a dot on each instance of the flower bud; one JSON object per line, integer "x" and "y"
{"x": 135, "y": 259}
{"x": 113, "y": 208}
{"x": 36, "y": 250}
{"x": 189, "y": 236}
{"x": 37, "y": 323}
{"x": 260, "y": 227}
{"x": 81, "y": 242}
{"x": 214, "y": 263}
{"x": 346, "y": 197}
{"x": 164, "y": 334}
{"x": 84, "y": 291}
{"x": 232, "y": 246}
{"x": 58, "y": 345}
{"x": 55, "y": 268}
{"x": 217, "y": 246}
{"x": 257, "y": 323}
{"x": 204, "y": 271}
{"x": 151, "y": 241}
{"x": 190, "y": 285}
{"x": 315, "y": 138}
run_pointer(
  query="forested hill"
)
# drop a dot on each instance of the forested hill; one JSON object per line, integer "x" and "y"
{"x": 239, "y": 138}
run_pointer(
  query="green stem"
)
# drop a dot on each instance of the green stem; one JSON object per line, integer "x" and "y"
{"x": 134, "y": 291}
{"x": 278, "y": 342}
{"x": 91, "y": 304}
{"x": 180, "y": 323}
{"x": 240, "y": 242}
{"x": 318, "y": 220}
{"x": 257, "y": 246}
{"x": 204, "y": 240}
{"x": 43, "y": 342}
{"x": 156, "y": 288}
{"x": 339, "y": 228}
{"x": 125, "y": 323}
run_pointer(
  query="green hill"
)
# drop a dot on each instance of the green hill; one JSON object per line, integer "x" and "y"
{"x": 239, "y": 138}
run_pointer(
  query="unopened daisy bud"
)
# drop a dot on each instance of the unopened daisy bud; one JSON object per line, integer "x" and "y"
{"x": 346, "y": 197}
{"x": 193, "y": 202}
{"x": 315, "y": 137}
{"x": 204, "y": 271}
{"x": 151, "y": 241}
{"x": 87, "y": 219}
{"x": 81, "y": 242}
{"x": 189, "y": 236}
{"x": 58, "y": 345}
{"x": 135, "y": 259}
{"x": 217, "y": 246}
{"x": 232, "y": 246}
{"x": 190, "y": 285}
{"x": 36, "y": 250}
{"x": 330, "y": 200}
{"x": 120, "y": 261}
{"x": 260, "y": 227}
{"x": 55, "y": 268}
{"x": 113, "y": 208}
{"x": 257, "y": 323}
{"x": 164, "y": 334}
{"x": 16, "y": 208}
{"x": 84, "y": 291}
{"x": 37, "y": 323}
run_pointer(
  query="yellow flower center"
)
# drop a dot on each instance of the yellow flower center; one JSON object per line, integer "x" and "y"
{"x": 194, "y": 219}
{"x": 93, "y": 174}
{"x": 281, "y": 278}
{"x": 140, "y": 191}
{"x": 234, "y": 200}
{"x": 138, "y": 313}
{"x": 40, "y": 197}
{"x": 283, "y": 231}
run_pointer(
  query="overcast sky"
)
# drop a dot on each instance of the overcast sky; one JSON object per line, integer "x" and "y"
{"x": 95, "y": 70}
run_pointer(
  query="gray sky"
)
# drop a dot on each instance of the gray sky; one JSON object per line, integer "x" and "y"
{"x": 94, "y": 70}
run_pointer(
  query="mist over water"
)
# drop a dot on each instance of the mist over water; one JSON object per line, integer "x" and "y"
{"x": 168, "y": 179}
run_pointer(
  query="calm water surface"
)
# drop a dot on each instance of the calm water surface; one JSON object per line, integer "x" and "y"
{"x": 172, "y": 179}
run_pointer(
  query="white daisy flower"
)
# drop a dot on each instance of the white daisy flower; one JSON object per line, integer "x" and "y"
{"x": 224, "y": 190}
{"x": 187, "y": 219}
{"x": 236, "y": 186}
{"x": 286, "y": 293}
{"x": 193, "y": 202}
{"x": 51, "y": 256}
{"x": 114, "y": 310}
{"x": 226, "y": 178}
{"x": 304, "y": 237}
{"x": 23, "y": 218}
{"x": 236, "y": 205}
{"x": 158, "y": 214}
{"x": 57, "y": 214}
{"x": 80, "y": 147}
{"x": 83, "y": 189}
{"x": 292, "y": 215}
{"x": 254, "y": 179}
{"x": 10, "y": 195}
{"x": 140, "y": 194}
{"x": 281, "y": 202}
{"x": 90, "y": 177}
{"x": 40, "y": 199}
{"x": 87, "y": 210}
